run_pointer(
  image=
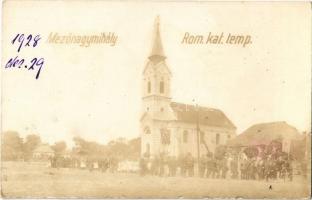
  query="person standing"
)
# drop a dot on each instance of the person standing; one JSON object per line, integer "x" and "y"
{"x": 234, "y": 167}
{"x": 155, "y": 166}
{"x": 143, "y": 166}
{"x": 202, "y": 166}
{"x": 190, "y": 165}
{"x": 172, "y": 164}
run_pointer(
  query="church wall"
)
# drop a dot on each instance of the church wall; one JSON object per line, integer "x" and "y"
{"x": 154, "y": 139}
{"x": 159, "y": 147}
{"x": 177, "y": 145}
{"x": 146, "y": 138}
{"x": 210, "y": 137}
{"x": 154, "y": 105}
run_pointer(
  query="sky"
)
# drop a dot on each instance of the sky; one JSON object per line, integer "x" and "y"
{"x": 95, "y": 92}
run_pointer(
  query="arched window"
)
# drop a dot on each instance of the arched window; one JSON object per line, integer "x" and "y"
{"x": 147, "y": 130}
{"x": 185, "y": 136}
{"x": 162, "y": 87}
{"x": 149, "y": 87}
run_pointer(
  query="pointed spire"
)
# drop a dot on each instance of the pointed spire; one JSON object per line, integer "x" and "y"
{"x": 157, "y": 53}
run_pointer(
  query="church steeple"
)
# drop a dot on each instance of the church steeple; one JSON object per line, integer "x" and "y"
{"x": 156, "y": 84}
{"x": 156, "y": 74}
{"x": 157, "y": 53}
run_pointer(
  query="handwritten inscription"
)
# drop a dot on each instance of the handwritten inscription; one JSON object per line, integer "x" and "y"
{"x": 231, "y": 39}
{"x": 23, "y": 41}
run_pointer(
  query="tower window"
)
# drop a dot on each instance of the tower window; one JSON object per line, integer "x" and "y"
{"x": 185, "y": 136}
{"x": 149, "y": 87}
{"x": 162, "y": 87}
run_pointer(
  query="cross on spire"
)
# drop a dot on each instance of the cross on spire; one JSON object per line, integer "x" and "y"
{"x": 157, "y": 53}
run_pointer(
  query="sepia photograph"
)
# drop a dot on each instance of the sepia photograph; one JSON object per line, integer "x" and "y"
{"x": 156, "y": 99}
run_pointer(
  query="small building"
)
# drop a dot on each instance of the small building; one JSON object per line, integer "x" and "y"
{"x": 264, "y": 133}
{"x": 43, "y": 152}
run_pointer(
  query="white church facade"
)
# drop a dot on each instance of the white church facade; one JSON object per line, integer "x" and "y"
{"x": 175, "y": 128}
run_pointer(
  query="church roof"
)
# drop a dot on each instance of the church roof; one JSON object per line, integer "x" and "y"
{"x": 205, "y": 116}
{"x": 264, "y": 133}
{"x": 157, "y": 53}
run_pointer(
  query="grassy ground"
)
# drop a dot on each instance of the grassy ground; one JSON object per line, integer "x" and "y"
{"x": 37, "y": 180}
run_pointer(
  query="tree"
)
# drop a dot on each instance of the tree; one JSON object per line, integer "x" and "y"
{"x": 87, "y": 148}
{"x": 59, "y": 147}
{"x": 32, "y": 141}
{"x": 118, "y": 149}
{"x": 134, "y": 148}
{"x": 11, "y": 146}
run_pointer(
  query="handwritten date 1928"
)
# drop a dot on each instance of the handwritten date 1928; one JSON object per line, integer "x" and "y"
{"x": 25, "y": 41}
{"x": 22, "y": 63}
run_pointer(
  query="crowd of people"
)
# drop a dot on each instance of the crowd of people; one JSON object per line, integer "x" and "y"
{"x": 224, "y": 163}
{"x": 103, "y": 164}
{"x": 227, "y": 166}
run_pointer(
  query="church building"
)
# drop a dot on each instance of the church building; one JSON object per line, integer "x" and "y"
{"x": 173, "y": 128}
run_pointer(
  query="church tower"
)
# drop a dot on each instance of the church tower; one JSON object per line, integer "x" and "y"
{"x": 156, "y": 95}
